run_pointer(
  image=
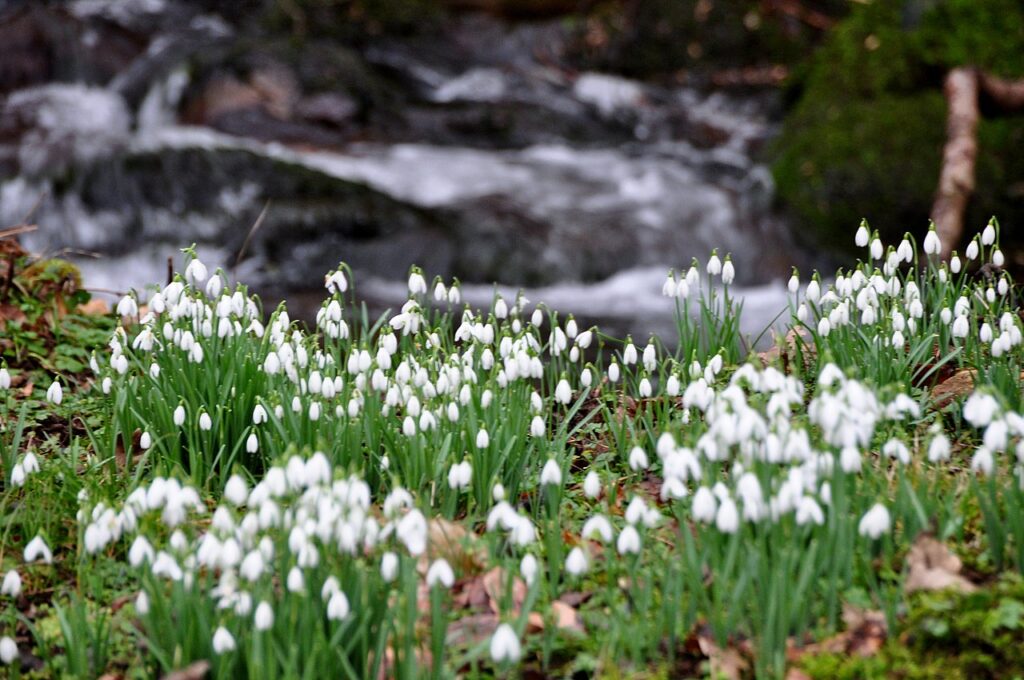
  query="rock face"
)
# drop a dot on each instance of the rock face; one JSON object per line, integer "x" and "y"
{"x": 474, "y": 153}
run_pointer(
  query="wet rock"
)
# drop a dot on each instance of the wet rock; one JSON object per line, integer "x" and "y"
{"x": 332, "y": 108}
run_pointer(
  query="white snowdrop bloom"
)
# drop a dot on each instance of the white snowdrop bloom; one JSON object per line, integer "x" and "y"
{"x": 613, "y": 372}
{"x": 252, "y": 443}
{"x": 195, "y": 272}
{"x": 179, "y": 415}
{"x": 505, "y": 645}
{"x": 263, "y": 619}
{"x": 714, "y": 266}
{"x": 813, "y": 291}
{"x": 551, "y": 474}
{"x": 498, "y": 492}
{"x": 808, "y": 511}
{"x": 483, "y": 440}
{"x": 528, "y": 568}
{"x": 905, "y": 251}
{"x": 946, "y": 315}
{"x": 205, "y": 423}
{"x": 38, "y": 550}
{"x": 5, "y": 377}
{"x": 537, "y": 318}
{"x": 55, "y": 393}
{"x": 12, "y": 584}
{"x": 638, "y": 459}
{"x": 597, "y": 528}
{"x": 939, "y": 448}
{"x": 862, "y": 236}
{"x": 584, "y": 339}
{"x": 960, "y": 327}
{"x": 793, "y": 286}
{"x": 669, "y": 287}
{"x": 672, "y": 386}
{"x": 236, "y": 491}
{"x": 988, "y": 235}
{"x": 18, "y": 475}
{"x": 802, "y": 313}
{"x": 727, "y": 518}
{"x": 389, "y": 567}
{"x": 876, "y": 249}
{"x": 875, "y": 522}
{"x": 996, "y": 435}
{"x": 140, "y": 552}
{"x": 460, "y": 475}
{"x": 645, "y": 390}
{"x": 998, "y": 259}
{"x": 850, "y": 460}
{"x": 704, "y": 505}
{"x": 252, "y": 566}
{"x": 563, "y": 392}
{"x": 629, "y": 354}
{"x": 629, "y": 539}
{"x": 314, "y": 411}
{"x": 972, "y": 250}
{"x": 980, "y": 409}
{"x": 412, "y": 532}
{"x": 145, "y": 441}
{"x": 272, "y": 364}
{"x": 982, "y": 461}
{"x": 592, "y": 485}
{"x": 932, "y": 246}
{"x": 522, "y": 532}
{"x": 166, "y": 566}
{"x": 954, "y": 264}
{"x": 223, "y": 641}
{"x": 417, "y": 284}
{"x": 728, "y": 271}
{"x": 440, "y": 573}
{"x": 1003, "y": 287}
{"x": 824, "y": 327}
{"x": 576, "y": 563}
{"x": 537, "y": 427}
{"x": 8, "y": 650}
{"x": 985, "y": 334}
{"x": 635, "y": 510}
{"x": 142, "y": 603}
{"x": 337, "y": 607}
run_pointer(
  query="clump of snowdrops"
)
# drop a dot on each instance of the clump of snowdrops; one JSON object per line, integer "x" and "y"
{"x": 286, "y": 481}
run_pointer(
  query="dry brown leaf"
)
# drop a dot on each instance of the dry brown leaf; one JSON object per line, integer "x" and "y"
{"x": 934, "y": 567}
{"x": 865, "y": 633}
{"x": 453, "y": 543}
{"x": 566, "y": 617}
{"x": 725, "y": 663}
{"x": 797, "y": 674}
{"x": 960, "y": 384}
{"x": 472, "y": 629}
{"x": 194, "y": 671}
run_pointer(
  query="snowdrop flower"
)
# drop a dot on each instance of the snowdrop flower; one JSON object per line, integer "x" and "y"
{"x": 389, "y": 567}
{"x": 140, "y": 552}
{"x": 998, "y": 259}
{"x": 223, "y": 641}
{"x": 794, "y": 283}
{"x": 142, "y": 603}
{"x": 205, "y": 422}
{"x": 483, "y": 440}
{"x": 727, "y": 519}
{"x": 551, "y": 474}
{"x": 597, "y": 527}
{"x": 195, "y": 272}
{"x": 875, "y": 522}
{"x": 528, "y": 568}
{"x": 982, "y": 461}
{"x": 613, "y": 372}
{"x": 980, "y": 409}
{"x": 18, "y": 475}
{"x": 960, "y": 327}
{"x": 460, "y": 475}
{"x": 5, "y": 378}
{"x": 704, "y": 505}
{"x": 264, "y": 618}
{"x": 850, "y": 460}
{"x": 537, "y": 427}
{"x": 972, "y": 250}
{"x": 576, "y": 563}
{"x": 988, "y": 235}
{"x": 637, "y": 459}
{"x": 629, "y": 354}
{"x": 954, "y": 263}
{"x": 876, "y": 249}
{"x": 862, "y": 236}
{"x": 629, "y": 539}
{"x": 338, "y": 607}
{"x": 939, "y": 448}
{"x": 728, "y": 271}
{"x": 714, "y": 267}
{"x": 592, "y": 485}
{"x": 55, "y": 393}
{"x": 179, "y": 415}
{"x": 563, "y": 392}
{"x": 505, "y": 645}
{"x": 296, "y": 583}
{"x": 12, "y": 584}
{"x": 236, "y": 491}
{"x": 8, "y": 650}
{"x": 808, "y": 511}
{"x": 417, "y": 284}
{"x": 932, "y": 246}
{"x": 440, "y": 573}
{"x": 38, "y": 550}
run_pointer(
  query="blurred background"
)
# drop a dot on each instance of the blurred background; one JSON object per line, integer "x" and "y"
{"x": 577, "y": 148}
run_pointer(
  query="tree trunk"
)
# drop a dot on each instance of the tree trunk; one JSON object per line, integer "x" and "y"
{"x": 956, "y": 179}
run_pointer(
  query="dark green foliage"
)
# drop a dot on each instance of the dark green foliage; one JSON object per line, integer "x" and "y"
{"x": 865, "y": 136}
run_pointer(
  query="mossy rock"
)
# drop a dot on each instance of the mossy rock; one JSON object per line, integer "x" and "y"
{"x": 865, "y": 133}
